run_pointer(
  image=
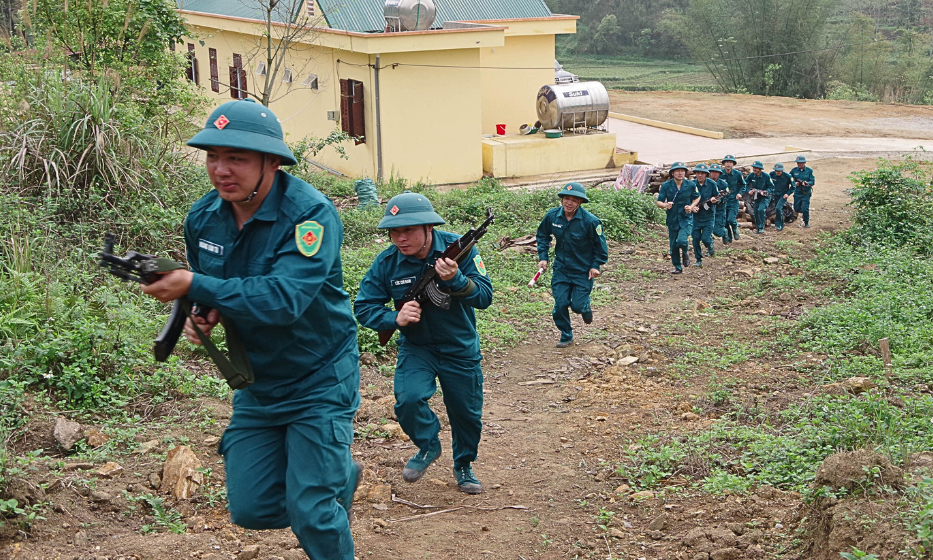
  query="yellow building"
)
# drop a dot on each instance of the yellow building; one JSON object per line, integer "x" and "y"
{"x": 439, "y": 90}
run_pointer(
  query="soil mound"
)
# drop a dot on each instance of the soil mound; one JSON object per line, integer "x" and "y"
{"x": 836, "y": 520}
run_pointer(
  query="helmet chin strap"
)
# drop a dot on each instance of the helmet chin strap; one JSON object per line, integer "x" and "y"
{"x": 425, "y": 244}
{"x": 262, "y": 176}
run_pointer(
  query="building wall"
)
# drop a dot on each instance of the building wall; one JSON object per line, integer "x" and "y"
{"x": 431, "y": 116}
{"x": 509, "y": 95}
{"x": 435, "y": 105}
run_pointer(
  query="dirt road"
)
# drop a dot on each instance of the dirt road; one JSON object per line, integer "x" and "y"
{"x": 744, "y": 116}
{"x": 556, "y": 424}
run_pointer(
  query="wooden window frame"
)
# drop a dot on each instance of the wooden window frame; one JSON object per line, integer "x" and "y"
{"x": 192, "y": 72}
{"x": 215, "y": 76}
{"x": 238, "y": 84}
{"x": 352, "y": 110}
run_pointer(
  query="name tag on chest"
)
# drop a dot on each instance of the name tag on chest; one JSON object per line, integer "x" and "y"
{"x": 211, "y": 248}
{"x": 403, "y": 281}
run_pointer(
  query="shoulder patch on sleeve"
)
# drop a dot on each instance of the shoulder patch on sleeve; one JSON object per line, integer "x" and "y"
{"x": 599, "y": 229}
{"x": 480, "y": 265}
{"x": 308, "y": 236}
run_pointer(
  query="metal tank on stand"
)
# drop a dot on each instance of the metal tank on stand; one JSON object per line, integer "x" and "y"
{"x": 581, "y": 107}
{"x": 409, "y": 15}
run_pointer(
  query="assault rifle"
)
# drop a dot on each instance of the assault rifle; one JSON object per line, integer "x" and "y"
{"x": 146, "y": 269}
{"x": 802, "y": 184}
{"x": 425, "y": 289}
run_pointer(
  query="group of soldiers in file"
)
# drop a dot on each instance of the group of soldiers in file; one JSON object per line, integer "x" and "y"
{"x": 709, "y": 205}
{"x": 264, "y": 251}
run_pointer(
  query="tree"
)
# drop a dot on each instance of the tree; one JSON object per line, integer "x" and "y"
{"x": 286, "y": 24}
{"x": 760, "y": 46}
{"x": 608, "y": 34}
{"x": 107, "y": 33}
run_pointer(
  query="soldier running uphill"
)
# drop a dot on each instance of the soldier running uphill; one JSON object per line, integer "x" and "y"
{"x": 803, "y": 177}
{"x": 579, "y": 251}
{"x": 704, "y": 213}
{"x": 679, "y": 196}
{"x": 435, "y": 343}
{"x": 760, "y": 189}
{"x": 783, "y": 188}
{"x": 737, "y": 188}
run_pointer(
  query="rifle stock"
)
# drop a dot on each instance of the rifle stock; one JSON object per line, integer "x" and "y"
{"x": 425, "y": 288}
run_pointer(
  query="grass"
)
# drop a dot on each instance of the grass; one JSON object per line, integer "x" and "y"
{"x": 637, "y": 74}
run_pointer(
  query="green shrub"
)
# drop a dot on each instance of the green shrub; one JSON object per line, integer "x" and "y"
{"x": 894, "y": 206}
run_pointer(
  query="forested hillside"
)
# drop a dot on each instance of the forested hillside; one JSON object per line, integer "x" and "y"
{"x": 855, "y": 49}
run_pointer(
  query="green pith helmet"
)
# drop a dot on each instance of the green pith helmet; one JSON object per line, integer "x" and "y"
{"x": 574, "y": 189}
{"x": 758, "y": 164}
{"x": 247, "y": 125}
{"x": 729, "y": 158}
{"x": 801, "y": 159}
{"x": 409, "y": 209}
{"x": 678, "y": 165}
{"x": 701, "y": 168}
{"x": 779, "y": 166}
{"x": 715, "y": 168}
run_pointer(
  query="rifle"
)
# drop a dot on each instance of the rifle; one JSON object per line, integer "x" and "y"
{"x": 425, "y": 289}
{"x": 802, "y": 185}
{"x": 146, "y": 269}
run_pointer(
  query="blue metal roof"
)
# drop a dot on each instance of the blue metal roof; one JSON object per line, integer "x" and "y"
{"x": 233, "y": 8}
{"x": 367, "y": 15}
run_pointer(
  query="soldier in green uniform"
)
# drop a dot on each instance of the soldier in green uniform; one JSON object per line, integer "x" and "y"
{"x": 679, "y": 196}
{"x": 435, "y": 343}
{"x": 704, "y": 213}
{"x": 719, "y": 224}
{"x": 803, "y": 177}
{"x": 737, "y": 188}
{"x": 760, "y": 189}
{"x": 264, "y": 251}
{"x": 579, "y": 251}
{"x": 783, "y": 188}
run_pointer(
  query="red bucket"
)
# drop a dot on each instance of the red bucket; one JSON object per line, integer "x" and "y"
{"x": 500, "y": 129}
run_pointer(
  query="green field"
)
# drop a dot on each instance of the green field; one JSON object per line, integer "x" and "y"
{"x": 636, "y": 74}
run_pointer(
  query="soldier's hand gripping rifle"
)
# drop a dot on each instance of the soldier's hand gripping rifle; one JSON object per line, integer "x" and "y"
{"x": 425, "y": 289}
{"x": 146, "y": 269}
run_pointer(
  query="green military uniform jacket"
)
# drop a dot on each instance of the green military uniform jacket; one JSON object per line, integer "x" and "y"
{"x": 735, "y": 181}
{"x": 580, "y": 244}
{"x": 450, "y": 332}
{"x": 688, "y": 192}
{"x": 760, "y": 182}
{"x": 278, "y": 280}
{"x": 783, "y": 184}
{"x": 805, "y": 175}
{"x": 707, "y": 190}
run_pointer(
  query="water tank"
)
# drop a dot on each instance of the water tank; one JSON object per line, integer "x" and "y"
{"x": 409, "y": 15}
{"x": 568, "y": 106}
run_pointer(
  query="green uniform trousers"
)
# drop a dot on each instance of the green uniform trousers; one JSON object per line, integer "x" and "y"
{"x": 779, "y": 212}
{"x": 678, "y": 236}
{"x": 416, "y": 375}
{"x": 761, "y": 212}
{"x": 702, "y": 231}
{"x": 802, "y": 206}
{"x": 719, "y": 225}
{"x": 570, "y": 296}
{"x": 288, "y": 461}
{"x": 732, "y": 214}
